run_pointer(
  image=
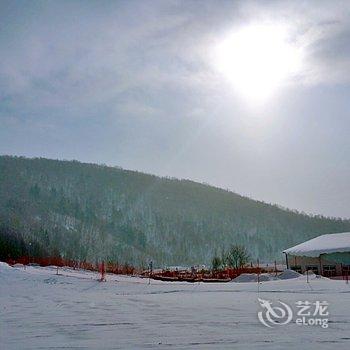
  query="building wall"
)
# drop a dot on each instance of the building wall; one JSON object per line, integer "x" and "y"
{"x": 323, "y": 265}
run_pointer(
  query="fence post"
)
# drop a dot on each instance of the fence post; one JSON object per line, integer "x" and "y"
{"x": 150, "y": 271}
{"x": 103, "y": 272}
{"x": 275, "y": 268}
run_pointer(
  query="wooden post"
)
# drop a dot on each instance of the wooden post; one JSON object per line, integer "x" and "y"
{"x": 103, "y": 272}
{"x": 150, "y": 271}
{"x": 275, "y": 268}
{"x": 258, "y": 279}
{"x": 286, "y": 260}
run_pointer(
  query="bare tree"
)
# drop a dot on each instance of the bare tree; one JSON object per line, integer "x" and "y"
{"x": 237, "y": 256}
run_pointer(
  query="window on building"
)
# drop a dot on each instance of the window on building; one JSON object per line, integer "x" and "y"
{"x": 313, "y": 268}
{"x": 329, "y": 270}
{"x": 346, "y": 270}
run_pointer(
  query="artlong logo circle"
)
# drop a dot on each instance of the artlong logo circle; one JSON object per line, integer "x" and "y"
{"x": 274, "y": 315}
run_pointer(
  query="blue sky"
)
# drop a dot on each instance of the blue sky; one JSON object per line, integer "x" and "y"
{"x": 132, "y": 83}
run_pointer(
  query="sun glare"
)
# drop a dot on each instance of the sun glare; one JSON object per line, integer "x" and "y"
{"x": 257, "y": 60}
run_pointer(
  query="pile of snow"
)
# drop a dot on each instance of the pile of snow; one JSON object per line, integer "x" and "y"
{"x": 6, "y": 270}
{"x": 264, "y": 277}
{"x": 288, "y": 274}
{"x": 246, "y": 277}
{"x": 18, "y": 265}
{"x": 313, "y": 276}
{"x": 4, "y": 266}
{"x": 253, "y": 277}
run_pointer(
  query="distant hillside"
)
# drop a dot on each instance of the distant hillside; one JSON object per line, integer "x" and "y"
{"x": 88, "y": 211}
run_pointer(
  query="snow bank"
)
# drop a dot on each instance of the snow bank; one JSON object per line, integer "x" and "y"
{"x": 18, "y": 265}
{"x": 246, "y": 277}
{"x": 4, "y": 266}
{"x": 264, "y": 277}
{"x": 313, "y": 276}
{"x": 288, "y": 274}
{"x": 253, "y": 277}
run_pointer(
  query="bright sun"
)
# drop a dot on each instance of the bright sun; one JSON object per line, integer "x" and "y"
{"x": 257, "y": 59}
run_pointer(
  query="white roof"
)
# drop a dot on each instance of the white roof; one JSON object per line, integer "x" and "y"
{"x": 325, "y": 244}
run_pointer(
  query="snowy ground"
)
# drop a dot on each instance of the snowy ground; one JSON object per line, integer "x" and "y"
{"x": 39, "y": 310}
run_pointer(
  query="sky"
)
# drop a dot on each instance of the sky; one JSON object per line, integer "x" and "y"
{"x": 252, "y": 96}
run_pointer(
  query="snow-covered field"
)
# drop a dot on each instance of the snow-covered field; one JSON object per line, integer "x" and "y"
{"x": 39, "y": 310}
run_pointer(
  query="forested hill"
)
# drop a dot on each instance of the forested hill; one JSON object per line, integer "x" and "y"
{"x": 88, "y": 211}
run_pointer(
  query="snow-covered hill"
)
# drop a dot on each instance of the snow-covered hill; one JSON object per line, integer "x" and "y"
{"x": 87, "y": 212}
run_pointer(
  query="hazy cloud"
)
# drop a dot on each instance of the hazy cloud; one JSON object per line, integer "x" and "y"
{"x": 132, "y": 83}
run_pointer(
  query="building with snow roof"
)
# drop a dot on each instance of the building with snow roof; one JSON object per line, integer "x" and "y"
{"x": 327, "y": 255}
